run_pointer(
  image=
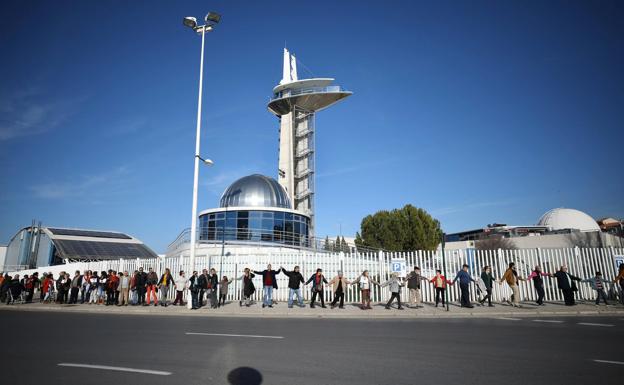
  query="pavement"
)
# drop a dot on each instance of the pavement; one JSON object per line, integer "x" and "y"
{"x": 63, "y": 347}
{"x": 280, "y": 310}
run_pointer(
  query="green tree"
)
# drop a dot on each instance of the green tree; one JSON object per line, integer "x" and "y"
{"x": 406, "y": 229}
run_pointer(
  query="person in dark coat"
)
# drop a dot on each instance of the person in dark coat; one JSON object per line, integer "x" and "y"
{"x": 248, "y": 287}
{"x": 295, "y": 279}
{"x": 15, "y": 288}
{"x": 269, "y": 282}
{"x": 538, "y": 282}
{"x": 567, "y": 285}
{"x": 195, "y": 288}
{"x": 140, "y": 280}
{"x": 203, "y": 287}
{"x": 317, "y": 280}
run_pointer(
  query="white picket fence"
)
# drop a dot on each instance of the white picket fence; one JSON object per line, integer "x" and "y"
{"x": 582, "y": 263}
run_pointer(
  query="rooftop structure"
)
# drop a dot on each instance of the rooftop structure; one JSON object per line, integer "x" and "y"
{"x": 295, "y": 102}
{"x": 37, "y": 246}
{"x": 562, "y": 218}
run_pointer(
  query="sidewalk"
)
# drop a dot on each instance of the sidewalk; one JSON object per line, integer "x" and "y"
{"x": 351, "y": 311}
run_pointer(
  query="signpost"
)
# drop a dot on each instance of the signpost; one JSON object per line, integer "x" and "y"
{"x": 399, "y": 265}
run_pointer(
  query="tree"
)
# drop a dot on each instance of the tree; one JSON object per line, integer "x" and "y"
{"x": 406, "y": 229}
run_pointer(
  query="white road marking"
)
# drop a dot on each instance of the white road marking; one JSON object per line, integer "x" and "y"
{"x": 548, "y": 321}
{"x": 115, "y": 368}
{"x": 510, "y": 319}
{"x": 593, "y": 324}
{"x": 232, "y": 335}
{"x": 609, "y": 362}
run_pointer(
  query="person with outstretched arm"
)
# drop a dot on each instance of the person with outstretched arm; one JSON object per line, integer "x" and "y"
{"x": 538, "y": 282}
{"x": 567, "y": 285}
{"x": 269, "y": 282}
{"x": 295, "y": 279}
{"x": 317, "y": 280}
{"x": 464, "y": 279}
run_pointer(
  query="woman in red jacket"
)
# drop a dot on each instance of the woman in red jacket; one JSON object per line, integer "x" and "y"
{"x": 439, "y": 283}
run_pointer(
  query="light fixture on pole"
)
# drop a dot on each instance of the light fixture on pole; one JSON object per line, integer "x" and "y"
{"x": 211, "y": 20}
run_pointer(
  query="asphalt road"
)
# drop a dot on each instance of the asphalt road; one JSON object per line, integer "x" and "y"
{"x": 323, "y": 351}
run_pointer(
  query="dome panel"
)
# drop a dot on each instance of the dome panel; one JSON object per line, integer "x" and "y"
{"x": 255, "y": 191}
{"x": 562, "y": 218}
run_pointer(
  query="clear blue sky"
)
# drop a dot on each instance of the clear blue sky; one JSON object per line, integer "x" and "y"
{"x": 475, "y": 111}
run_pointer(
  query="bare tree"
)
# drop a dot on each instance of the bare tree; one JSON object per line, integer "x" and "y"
{"x": 495, "y": 242}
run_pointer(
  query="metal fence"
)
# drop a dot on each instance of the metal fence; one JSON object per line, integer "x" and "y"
{"x": 582, "y": 263}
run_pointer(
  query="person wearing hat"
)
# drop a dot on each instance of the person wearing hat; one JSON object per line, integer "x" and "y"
{"x": 598, "y": 283}
{"x": 339, "y": 284}
{"x": 317, "y": 280}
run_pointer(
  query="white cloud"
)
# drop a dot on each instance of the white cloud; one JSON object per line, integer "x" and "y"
{"x": 25, "y": 113}
{"x": 92, "y": 187}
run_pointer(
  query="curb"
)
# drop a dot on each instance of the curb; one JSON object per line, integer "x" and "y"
{"x": 254, "y": 313}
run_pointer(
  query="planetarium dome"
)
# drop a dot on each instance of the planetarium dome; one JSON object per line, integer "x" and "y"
{"x": 562, "y": 218}
{"x": 255, "y": 191}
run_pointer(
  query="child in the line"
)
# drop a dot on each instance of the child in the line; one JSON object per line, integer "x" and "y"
{"x": 223, "y": 290}
{"x": 598, "y": 283}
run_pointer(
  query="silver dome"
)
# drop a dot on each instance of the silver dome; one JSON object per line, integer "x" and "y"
{"x": 255, "y": 191}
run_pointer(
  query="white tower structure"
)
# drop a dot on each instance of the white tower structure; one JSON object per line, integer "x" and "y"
{"x": 295, "y": 102}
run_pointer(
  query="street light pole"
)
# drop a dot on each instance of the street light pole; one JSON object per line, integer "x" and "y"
{"x": 211, "y": 20}
{"x": 197, "y": 156}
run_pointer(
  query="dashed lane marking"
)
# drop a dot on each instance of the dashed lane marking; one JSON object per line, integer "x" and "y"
{"x": 609, "y": 362}
{"x": 115, "y": 368}
{"x": 510, "y": 319}
{"x": 232, "y": 335}
{"x": 552, "y": 321}
{"x": 594, "y": 324}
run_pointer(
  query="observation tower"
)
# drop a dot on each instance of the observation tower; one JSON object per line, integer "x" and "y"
{"x": 295, "y": 102}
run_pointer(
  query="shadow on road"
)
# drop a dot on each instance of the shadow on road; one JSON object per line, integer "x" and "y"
{"x": 244, "y": 376}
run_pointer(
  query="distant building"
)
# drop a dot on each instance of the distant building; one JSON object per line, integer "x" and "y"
{"x": 557, "y": 228}
{"x": 37, "y": 246}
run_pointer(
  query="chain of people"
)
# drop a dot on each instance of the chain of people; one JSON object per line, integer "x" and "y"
{"x": 143, "y": 288}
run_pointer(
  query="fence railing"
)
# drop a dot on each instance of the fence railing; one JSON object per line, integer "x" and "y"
{"x": 582, "y": 263}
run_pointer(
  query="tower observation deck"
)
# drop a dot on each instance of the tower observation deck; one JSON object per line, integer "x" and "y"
{"x": 295, "y": 102}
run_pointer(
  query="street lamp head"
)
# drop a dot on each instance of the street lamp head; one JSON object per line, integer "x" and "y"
{"x": 212, "y": 18}
{"x": 208, "y": 162}
{"x": 190, "y": 22}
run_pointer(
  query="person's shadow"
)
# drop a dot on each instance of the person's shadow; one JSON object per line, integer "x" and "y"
{"x": 244, "y": 376}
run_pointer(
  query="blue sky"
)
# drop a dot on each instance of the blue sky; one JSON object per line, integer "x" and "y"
{"x": 477, "y": 111}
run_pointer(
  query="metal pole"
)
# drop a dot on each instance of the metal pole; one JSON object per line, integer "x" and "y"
{"x": 196, "y": 171}
{"x": 223, "y": 243}
{"x": 197, "y": 142}
{"x": 444, "y": 268}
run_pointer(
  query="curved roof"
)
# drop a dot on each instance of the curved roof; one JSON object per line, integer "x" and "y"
{"x": 562, "y": 218}
{"x": 255, "y": 191}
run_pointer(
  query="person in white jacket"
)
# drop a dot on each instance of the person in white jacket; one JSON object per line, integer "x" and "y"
{"x": 181, "y": 283}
